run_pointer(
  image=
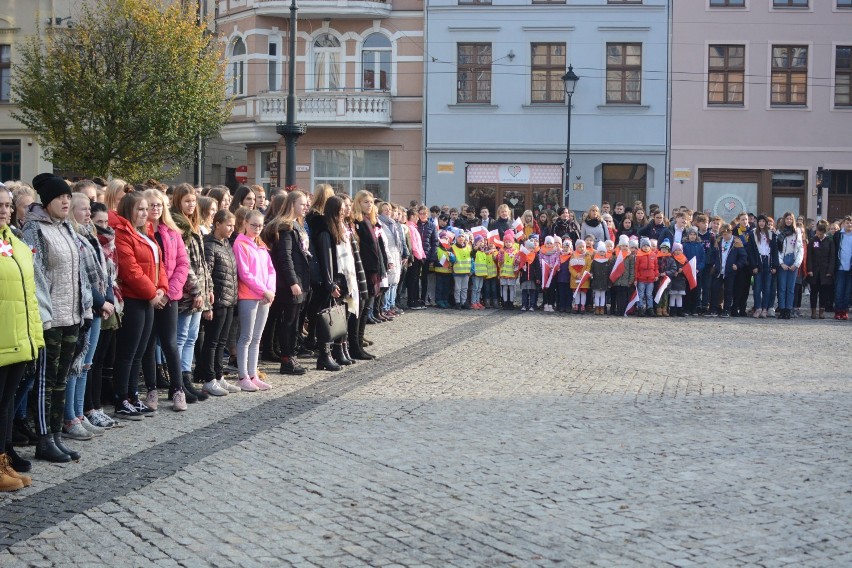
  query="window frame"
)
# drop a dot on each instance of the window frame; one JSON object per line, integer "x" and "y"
{"x": 726, "y": 70}
{"x": 789, "y": 71}
{"x": 549, "y": 68}
{"x": 474, "y": 69}
{"x": 623, "y": 68}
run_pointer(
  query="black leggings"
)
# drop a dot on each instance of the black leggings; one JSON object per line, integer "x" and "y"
{"x": 10, "y": 378}
{"x": 101, "y": 367}
{"x": 216, "y": 330}
{"x": 131, "y": 342}
{"x": 164, "y": 329}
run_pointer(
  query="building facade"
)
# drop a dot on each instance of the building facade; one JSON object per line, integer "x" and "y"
{"x": 760, "y": 103}
{"x": 497, "y": 118}
{"x": 359, "y": 86}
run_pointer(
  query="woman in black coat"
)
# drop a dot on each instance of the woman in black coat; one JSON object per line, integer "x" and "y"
{"x": 289, "y": 245}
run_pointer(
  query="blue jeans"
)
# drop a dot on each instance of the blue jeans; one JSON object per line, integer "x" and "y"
{"x": 187, "y": 332}
{"x": 75, "y": 387}
{"x": 763, "y": 285}
{"x": 786, "y": 288}
{"x": 646, "y": 295}
{"x": 841, "y": 290}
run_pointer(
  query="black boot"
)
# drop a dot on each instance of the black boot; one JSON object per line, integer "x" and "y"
{"x": 18, "y": 463}
{"x": 57, "y": 440}
{"x": 189, "y": 389}
{"x": 21, "y": 426}
{"x": 47, "y": 450}
{"x": 338, "y": 355}
{"x": 346, "y": 354}
{"x": 324, "y": 360}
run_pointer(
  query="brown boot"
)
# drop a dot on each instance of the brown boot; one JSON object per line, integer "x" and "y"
{"x": 8, "y": 482}
{"x": 26, "y": 480}
{"x": 822, "y": 313}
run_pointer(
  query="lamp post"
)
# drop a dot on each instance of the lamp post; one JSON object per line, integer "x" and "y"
{"x": 570, "y": 79}
{"x": 290, "y": 130}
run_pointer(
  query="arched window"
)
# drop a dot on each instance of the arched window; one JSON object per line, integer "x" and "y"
{"x": 376, "y": 63}
{"x": 236, "y": 71}
{"x": 326, "y": 51}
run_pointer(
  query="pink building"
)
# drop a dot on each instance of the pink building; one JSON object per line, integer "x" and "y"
{"x": 359, "y": 87}
{"x": 760, "y": 102}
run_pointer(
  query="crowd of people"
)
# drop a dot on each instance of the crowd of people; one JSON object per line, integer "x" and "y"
{"x": 187, "y": 289}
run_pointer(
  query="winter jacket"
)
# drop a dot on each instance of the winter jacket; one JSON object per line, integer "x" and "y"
{"x": 601, "y": 270}
{"x": 140, "y": 274}
{"x": 292, "y": 265}
{"x": 647, "y": 269}
{"x": 198, "y": 281}
{"x": 222, "y": 267}
{"x": 255, "y": 271}
{"x": 174, "y": 258}
{"x": 822, "y": 261}
{"x": 21, "y": 334}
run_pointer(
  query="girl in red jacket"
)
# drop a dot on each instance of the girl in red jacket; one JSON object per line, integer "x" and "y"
{"x": 144, "y": 287}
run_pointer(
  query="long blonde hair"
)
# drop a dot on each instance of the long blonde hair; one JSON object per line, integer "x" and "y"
{"x": 166, "y": 216}
{"x": 357, "y": 213}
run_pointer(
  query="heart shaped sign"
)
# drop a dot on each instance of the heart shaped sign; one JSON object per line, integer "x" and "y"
{"x": 514, "y": 170}
{"x": 513, "y": 201}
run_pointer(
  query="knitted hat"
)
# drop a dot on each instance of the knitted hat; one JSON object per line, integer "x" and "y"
{"x": 623, "y": 241}
{"x": 49, "y": 187}
{"x": 677, "y": 247}
{"x": 645, "y": 242}
{"x": 509, "y": 235}
{"x": 601, "y": 248}
{"x": 666, "y": 244}
{"x": 549, "y": 240}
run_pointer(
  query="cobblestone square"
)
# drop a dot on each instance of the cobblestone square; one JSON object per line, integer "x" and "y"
{"x": 482, "y": 439}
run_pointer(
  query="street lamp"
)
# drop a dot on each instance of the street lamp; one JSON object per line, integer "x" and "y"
{"x": 290, "y": 130}
{"x": 570, "y": 79}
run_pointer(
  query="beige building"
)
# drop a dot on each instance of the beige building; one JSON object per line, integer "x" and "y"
{"x": 359, "y": 87}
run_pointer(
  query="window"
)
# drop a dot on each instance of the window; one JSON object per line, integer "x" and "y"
{"x": 727, "y": 3}
{"x": 474, "y": 73}
{"x": 10, "y": 159}
{"x": 5, "y": 74}
{"x": 350, "y": 171}
{"x": 789, "y": 75}
{"x": 726, "y": 75}
{"x": 326, "y": 63}
{"x": 237, "y": 84}
{"x": 842, "y": 75}
{"x": 624, "y": 73}
{"x": 273, "y": 67}
{"x": 789, "y": 3}
{"x": 376, "y": 63}
{"x": 548, "y": 66}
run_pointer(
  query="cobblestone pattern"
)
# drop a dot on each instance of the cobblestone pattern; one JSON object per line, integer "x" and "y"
{"x": 454, "y": 449}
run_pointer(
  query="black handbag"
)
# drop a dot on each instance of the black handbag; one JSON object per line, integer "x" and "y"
{"x": 331, "y": 323}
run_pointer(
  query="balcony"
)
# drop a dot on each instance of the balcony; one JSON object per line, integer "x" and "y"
{"x": 316, "y": 9}
{"x": 339, "y": 110}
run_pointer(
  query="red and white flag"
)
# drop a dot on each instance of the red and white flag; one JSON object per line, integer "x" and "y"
{"x": 617, "y": 268}
{"x": 494, "y": 236}
{"x": 580, "y": 283}
{"x": 664, "y": 284}
{"x": 634, "y": 299}
{"x": 518, "y": 225}
{"x": 691, "y": 273}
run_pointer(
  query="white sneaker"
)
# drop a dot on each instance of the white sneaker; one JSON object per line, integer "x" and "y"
{"x": 228, "y": 386}
{"x": 213, "y": 388}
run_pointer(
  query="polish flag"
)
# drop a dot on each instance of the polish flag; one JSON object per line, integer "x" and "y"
{"x": 518, "y": 225}
{"x": 493, "y": 236}
{"x": 583, "y": 279}
{"x": 691, "y": 273}
{"x": 480, "y": 231}
{"x": 634, "y": 299}
{"x": 617, "y": 268}
{"x": 664, "y": 284}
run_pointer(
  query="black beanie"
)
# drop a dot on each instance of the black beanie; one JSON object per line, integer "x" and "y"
{"x": 49, "y": 187}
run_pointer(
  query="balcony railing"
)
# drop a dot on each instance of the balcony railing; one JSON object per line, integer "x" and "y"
{"x": 326, "y": 8}
{"x": 329, "y": 109}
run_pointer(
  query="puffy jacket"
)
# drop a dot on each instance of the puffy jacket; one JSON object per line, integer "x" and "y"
{"x": 174, "y": 257}
{"x": 255, "y": 271}
{"x": 139, "y": 273}
{"x": 646, "y": 267}
{"x": 222, "y": 267}
{"x": 21, "y": 334}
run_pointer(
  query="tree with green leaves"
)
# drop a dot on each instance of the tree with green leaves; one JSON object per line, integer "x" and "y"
{"x": 128, "y": 91}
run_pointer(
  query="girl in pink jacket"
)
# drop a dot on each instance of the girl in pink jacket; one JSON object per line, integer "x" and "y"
{"x": 256, "y": 291}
